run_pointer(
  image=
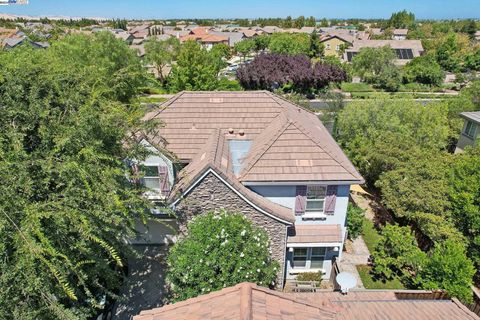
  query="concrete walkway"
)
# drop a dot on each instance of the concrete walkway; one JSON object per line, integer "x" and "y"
{"x": 358, "y": 256}
{"x": 145, "y": 286}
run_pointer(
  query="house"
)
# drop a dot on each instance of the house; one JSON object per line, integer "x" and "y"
{"x": 247, "y": 301}
{"x": 263, "y": 156}
{"x": 334, "y": 44}
{"x": 272, "y": 29}
{"x": 233, "y": 37}
{"x": 470, "y": 132}
{"x": 405, "y": 50}
{"x": 205, "y": 36}
{"x": 477, "y": 35}
{"x": 124, "y": 36}
{"x": 399, "y": 34}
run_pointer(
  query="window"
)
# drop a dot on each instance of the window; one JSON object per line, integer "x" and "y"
{"x": 316, "y": 198}
{"x": 470, "y": 129}
{"x": 328, "y": 46}
{"x": 317, "y": 257}
{"x": 152, "y": 177}
{"x": 300, "y": 257}
{"x": 337, "y": 47}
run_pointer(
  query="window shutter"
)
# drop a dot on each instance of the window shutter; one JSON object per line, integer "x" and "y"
{"x": 300, "y": 200}
{"x": 164, "y": 181}
{"x": 331, "y": 199}
{"x": 135, "y": 173}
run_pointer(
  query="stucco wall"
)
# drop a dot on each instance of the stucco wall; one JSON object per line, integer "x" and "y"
{"x": 212, "y": 194}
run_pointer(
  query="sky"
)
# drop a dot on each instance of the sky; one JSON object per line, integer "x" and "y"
{"x": 168, "y": 9}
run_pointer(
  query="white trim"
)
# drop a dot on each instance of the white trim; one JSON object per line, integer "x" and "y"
{"x": 301, "y": 183}
{"x": 210, "y": 170}
{"x": 313, "y": 245}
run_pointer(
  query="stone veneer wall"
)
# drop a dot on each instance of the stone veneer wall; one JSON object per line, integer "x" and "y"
{"x": 212, "y": 194}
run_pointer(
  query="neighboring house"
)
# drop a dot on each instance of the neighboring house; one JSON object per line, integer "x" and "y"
{"x": 124, "y": 36}
{"x": 255, "y": 153}
{"x": 247, "y": 301}
{"x": 405, "y": 50}
{"x": 233, "y": 37}
{"x": 470, "y": 132}
{"x": 334, "y": 43}
{"x": 271, "y": 29}
{"x": 10, "y": 43}
{"x": 205, "y": 37}
{"x": 399, "y": 34}
{"x": 477, "y": 35}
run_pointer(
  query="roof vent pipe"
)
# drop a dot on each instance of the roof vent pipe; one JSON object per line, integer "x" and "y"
{"x": 241, "y": 133}
{"x": 230, "y": 131}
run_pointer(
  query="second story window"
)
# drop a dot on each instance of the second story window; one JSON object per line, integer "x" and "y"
{"x": 328, "y": 46}
{"x": 470, "y": 129}
{"x": 152, "y": 177}
{"x": 316, "y": 198}
{"x": 337, "y": 48}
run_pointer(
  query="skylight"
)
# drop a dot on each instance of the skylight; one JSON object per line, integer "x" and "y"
{"x": 238, "y": 151}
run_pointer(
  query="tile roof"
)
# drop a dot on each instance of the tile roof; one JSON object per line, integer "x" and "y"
{"x": 245, "y": 301}
{"x": 215, "y": 156}
{"x": 248, "y": 301}
{"x": 415, "y": 45}
{"x": 474, "y": 116}
{"x": 289, "y": 143}
{"x": 318, "y": 233}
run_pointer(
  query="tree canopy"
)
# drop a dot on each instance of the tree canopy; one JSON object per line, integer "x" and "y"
{"x": 66, "y": 205}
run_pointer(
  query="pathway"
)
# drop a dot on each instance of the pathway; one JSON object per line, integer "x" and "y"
{"x": 359, "y": 255}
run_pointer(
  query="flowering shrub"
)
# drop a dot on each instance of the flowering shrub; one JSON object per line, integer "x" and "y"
{"x": 220, "y": 250}
{"x": 273, "y": 71}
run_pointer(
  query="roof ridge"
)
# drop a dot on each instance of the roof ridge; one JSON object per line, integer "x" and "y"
{"x": 326, "y": 148}
{"x": 268, "y": 143}
{"x": 288, "y": 102}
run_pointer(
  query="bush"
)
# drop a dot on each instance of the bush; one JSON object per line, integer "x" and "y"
{"x": 220, "y": 250}
{"x": 355, "y": 217}
{"x": 310, "y": 276}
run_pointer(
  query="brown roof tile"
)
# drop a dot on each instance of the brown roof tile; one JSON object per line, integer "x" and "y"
{"x": 245, "y": 301}
{"x": 315, "y": 234}
{"x": 295, "y": 138}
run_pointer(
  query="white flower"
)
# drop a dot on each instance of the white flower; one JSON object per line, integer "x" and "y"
{"x": 243, "y": 232}
{"x": 258, "y": 270}
{"x": 242, "y": 255}
{"x": 201, "y": 260}
{"x": 275, "y": 268}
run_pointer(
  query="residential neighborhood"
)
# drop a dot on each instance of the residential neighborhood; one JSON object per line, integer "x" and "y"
{"x": 159, "y": 163}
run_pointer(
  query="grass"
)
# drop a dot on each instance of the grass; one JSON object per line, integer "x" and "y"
{"x": 370, "y": 234}
{"x": 356, "y": 87}
{"x": 152, "y": 99}
{"x": 371, "y": 283}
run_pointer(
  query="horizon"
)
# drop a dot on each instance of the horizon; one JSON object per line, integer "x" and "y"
{"x": 247, "y": 9}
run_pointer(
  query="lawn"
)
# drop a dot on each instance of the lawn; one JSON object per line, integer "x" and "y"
{"x": 147, "y": 99}
{"x": 370, "y": 283}
{"x": 370, "y": 234}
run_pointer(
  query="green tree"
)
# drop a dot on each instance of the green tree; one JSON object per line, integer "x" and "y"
{"x": 245, "y": 47}
{"x": 311, "y": 22}
{"x": 289, "y": 43}
{"x": 299, "y": 22}
{"x": 316, "y": 47}
{"x": 448, "y": 268}
{"x": 447, "y": 53}
{"x": 66, "y": 206}
{"x": 402, "y": 19}
{"x": 470, "y": 28}
{"x": 196, "y": 69}
{"x": 424, "y": 70}
{"x": 464, "y": 196}
{"x": 397, "y": 254}
{"x": 220, "y": 250}
{"x": 355, "y": 217}
{"x": 380, "y": 135}
{"x": 472, "y": 61}
{"x": 161, "y": 53}
{"x": 376, "y": 66}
